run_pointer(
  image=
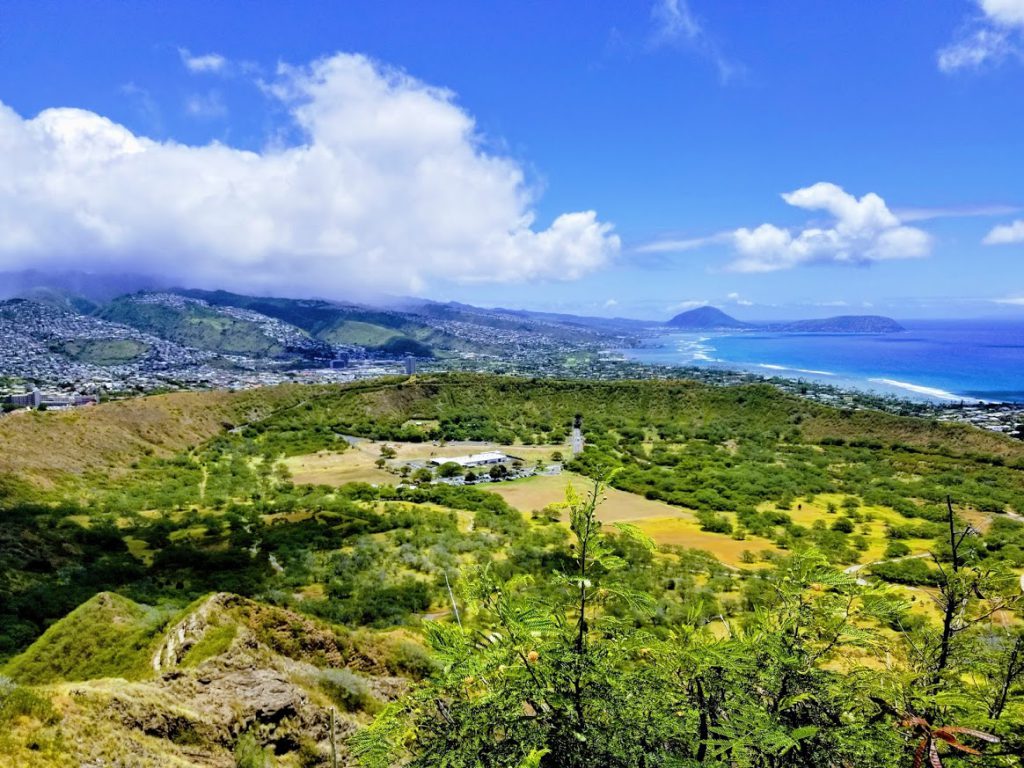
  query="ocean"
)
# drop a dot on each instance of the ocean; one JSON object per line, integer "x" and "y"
{"x": 937, "y": 361}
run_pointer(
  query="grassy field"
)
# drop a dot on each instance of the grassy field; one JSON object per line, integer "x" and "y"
{"x": 682, "y": 532}
{"x": 666, "y": 524}
{"x": 358, "y": 463}
{"x": 328, "y": 468}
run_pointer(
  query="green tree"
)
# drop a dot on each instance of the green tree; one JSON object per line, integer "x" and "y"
{"x": 449, "y": 469}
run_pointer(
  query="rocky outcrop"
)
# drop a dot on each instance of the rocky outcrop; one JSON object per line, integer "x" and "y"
{"x": 190, "y": 630}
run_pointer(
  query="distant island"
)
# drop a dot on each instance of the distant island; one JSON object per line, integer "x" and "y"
{"x": 713, "y": 319}
{"x": 706, "y": 319}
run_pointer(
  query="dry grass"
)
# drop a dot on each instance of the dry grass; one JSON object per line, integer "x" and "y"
{"x": 535, "y": 493}
{"x": 328, "y": 468}
{"x": 47, "y": 447}
{"x": 681, "y": 532}
{"x": 666, "y": 524}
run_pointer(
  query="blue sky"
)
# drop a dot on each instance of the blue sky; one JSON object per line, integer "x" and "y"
{"x": 600, "y": 157}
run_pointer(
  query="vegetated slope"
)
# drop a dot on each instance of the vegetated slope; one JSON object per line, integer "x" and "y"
{"x": 482, "y": 407}
{"x": 223, "y": 515}
{"x": 105, "y": 351}
{"x": 107, "y": 636}
{"x": 157, "y": 687}
{"x": 45, "y": 446}
{"x": 337, "y": 323}
{"x": 49, "y": 447}
{"x": 195, "y": 323}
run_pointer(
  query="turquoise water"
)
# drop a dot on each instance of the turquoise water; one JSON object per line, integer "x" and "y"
{"x": 931, "y": 360}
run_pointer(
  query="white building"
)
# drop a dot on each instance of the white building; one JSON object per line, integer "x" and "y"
{"x": 475, "y": 459}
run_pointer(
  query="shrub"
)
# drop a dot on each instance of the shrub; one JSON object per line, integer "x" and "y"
{"x": 408, "y": 657}
{"x": 249, "y": 753}
{"x": 843, "y": 525}
{"x": 348, "y": 690}
{"x": 896, "y": 549}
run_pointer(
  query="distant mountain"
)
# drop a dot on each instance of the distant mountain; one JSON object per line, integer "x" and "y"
{"x": 841, "y": 324}
{"x": 705, "y": 319}
{"x": 712, "y": 319}
{"x": 74, "y": 285}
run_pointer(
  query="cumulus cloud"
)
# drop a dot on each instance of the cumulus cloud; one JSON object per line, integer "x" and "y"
{"x": 1005, "y": 234}
{"x": 388, "y": 188}
{"x": 990, "y": 39}
{"x": 864, "y": 231}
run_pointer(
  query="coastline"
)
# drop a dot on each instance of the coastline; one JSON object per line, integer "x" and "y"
{"x": 877, "y": 364}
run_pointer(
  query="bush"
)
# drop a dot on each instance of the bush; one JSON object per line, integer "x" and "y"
{"x": 349, "y": 691}
{"x": 913, "y": 572}
{"x": 249, "y": 753}
{"x": 407, "y": 657}
{"x": 843, "y": 525}
{"x": 896, "y": 549}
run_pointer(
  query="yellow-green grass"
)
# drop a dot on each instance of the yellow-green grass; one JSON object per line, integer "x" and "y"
{"x": 806, "y": 513}
{"x": 139, "y": 549}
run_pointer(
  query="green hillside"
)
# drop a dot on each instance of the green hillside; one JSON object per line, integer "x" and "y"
{"x": 791, "y": 562}
{"x": 104, "y": 351}
{"x": 355, "y": 332}
{"x": 193, "y": 325}
{"x": 107, "y": 636}
{"x": 346, "y": 323}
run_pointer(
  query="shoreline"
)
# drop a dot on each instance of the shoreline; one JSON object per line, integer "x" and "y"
{"x": 690, "y": 350}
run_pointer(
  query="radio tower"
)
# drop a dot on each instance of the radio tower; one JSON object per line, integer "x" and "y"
{"x": 577, "y": 435}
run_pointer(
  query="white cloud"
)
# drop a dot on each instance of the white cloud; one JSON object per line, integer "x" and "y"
{"x": 389, "y": 188}
{"x": 611, "y": 303}
{"x": 989, "y": 40}
{"x": 1008, "y": 12}
{"x": 1015, "y": 301}
{"x": 207, "y": 62}
{"x": 686, "y": 304}
{"x": 864, "y": 231}
{"x": 674, "y": 24}
{"x": 955, "y": 212}
{"x": 678, "y": 246}
{"x": 738, "y": 300}
{"x": 1004, "y": 234}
